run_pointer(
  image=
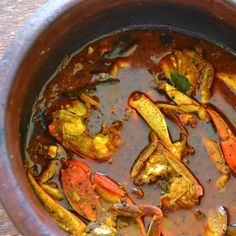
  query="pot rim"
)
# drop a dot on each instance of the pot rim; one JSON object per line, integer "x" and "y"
{"x": 13, "y": 56}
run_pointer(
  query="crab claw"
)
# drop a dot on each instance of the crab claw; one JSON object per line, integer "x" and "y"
{"x": 151, "y": 114}
{"x": 227, "y": 139}
{"x": 79, "y": 191}
{"x": 109, "y": 190}
{"x": 155, "y": 227}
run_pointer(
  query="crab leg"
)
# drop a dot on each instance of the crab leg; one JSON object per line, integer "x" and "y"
{"x": 64, "y": 218}
{"x": 49, "y": 172}
{"x": 227, "y": 139}
{"x": 69, "y": 127}
{"x": 144, "y": 155}
{"x": 219, "y": 161}
{"x": 155, "y": 227}
{"x": 183, "y": 100}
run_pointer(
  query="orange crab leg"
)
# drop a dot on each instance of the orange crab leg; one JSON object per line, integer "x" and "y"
{"x": 227, "y": 139}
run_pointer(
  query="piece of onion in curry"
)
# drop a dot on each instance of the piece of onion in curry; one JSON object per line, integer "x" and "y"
{"x": 135, "y": 135}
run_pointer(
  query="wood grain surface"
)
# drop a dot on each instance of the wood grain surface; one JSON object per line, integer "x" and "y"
{"x": 13, "y": 14}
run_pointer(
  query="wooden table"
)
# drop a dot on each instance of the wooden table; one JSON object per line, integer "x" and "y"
{"x": 13, "y": 14}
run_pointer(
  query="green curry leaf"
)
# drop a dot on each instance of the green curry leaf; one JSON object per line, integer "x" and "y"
{"x": 180, "y": 82}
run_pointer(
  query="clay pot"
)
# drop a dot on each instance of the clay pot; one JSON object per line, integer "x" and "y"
{"x": 59, "y": 29}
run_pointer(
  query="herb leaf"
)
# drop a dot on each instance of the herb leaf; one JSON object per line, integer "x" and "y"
{"x": 180, "y": 82}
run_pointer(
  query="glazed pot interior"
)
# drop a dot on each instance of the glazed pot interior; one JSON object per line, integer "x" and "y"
{"x": 72, "y": 28}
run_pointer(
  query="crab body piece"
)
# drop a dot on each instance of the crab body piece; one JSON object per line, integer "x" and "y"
{"x": 84, "y": 197}
{"x": 79, "y": 191}
{"x": 69, "y": 127}
{"x": 183, "y": 188}
{"x": 192, "y": 66}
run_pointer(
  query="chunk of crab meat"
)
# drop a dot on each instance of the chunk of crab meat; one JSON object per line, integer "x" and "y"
{"x": 69, "y": 127}
{"x": 194, "y": 67}
{"x": 111, "y": 192}
{"x": 227, "y": 139}
{"x": 104, "y": 226}
{"x": 156, "y": 166}
{"x": 219, "y": 161}
{"x": 64, "y": 218}
{"x": 182, "y": 194}
{"x": 216, "y": 224}
{"x": 79, "y": 191}
{"x": 135, "y": 211}
{"x": 187, "y": 104}
{"x": 49, "y": 173}
{"x": 144, "y": 155}
{"x": 228, "y": 78}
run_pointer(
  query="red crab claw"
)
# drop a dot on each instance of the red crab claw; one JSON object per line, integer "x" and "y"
{"x": 111, "y": 192}
{"x": 79, "y": 191}
{"x": 227, "y": 139}
{"x": 155, "y": 227}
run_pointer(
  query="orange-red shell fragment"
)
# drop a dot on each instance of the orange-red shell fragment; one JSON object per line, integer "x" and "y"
{"x": 227, "y": 139}
{"x": 79, "y": 190}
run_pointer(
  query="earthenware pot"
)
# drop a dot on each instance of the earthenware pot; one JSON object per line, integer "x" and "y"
{"x": 59, "y": 29}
